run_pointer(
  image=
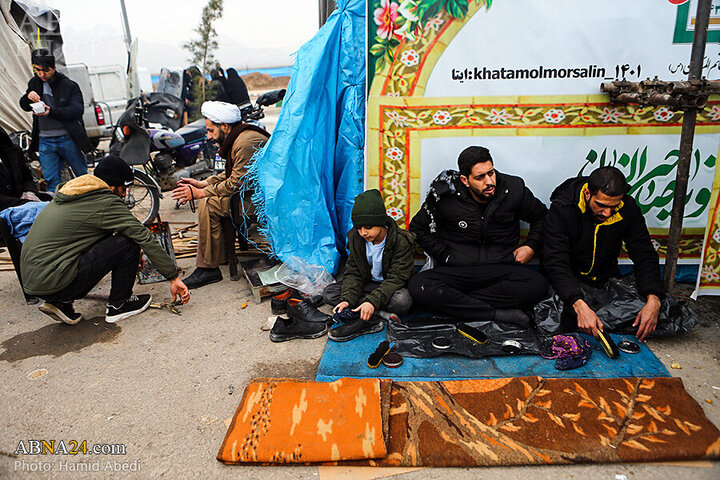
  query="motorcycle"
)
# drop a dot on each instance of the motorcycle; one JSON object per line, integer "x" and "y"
{"x": 147, "y": 136}
{"x": 139, "y": 133}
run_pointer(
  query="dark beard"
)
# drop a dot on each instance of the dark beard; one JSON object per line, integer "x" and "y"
{"x": 480, "y": 195}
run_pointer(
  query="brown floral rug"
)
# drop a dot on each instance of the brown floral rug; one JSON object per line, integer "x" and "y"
{"x": 532, "y": 420}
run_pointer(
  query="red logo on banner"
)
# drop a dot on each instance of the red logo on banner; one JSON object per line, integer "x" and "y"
{"x": 678, "y": 2}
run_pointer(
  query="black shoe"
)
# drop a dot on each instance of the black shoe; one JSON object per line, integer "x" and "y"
{"x": 302, "y": 310}
{"x": 132, "y": 306}
{"x": 278, "y": 303}
{"x": 351, "y": 330}
{"x": 203, "y": 276}
{"x": 512, "y": 316}
{"x": 314, "y": 300}
{"x": 289, "y": 329}
{"x": 61, "y": 312}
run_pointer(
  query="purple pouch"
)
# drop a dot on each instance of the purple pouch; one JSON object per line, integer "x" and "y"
{"x": 569, "y": 351}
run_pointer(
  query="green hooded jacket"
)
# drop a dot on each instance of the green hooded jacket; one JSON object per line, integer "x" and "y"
{"x": 397, "y": 267}
{"x": 83, "y": 212}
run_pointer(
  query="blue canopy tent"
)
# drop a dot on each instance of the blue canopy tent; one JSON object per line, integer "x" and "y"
{"x": 311, "y": 169}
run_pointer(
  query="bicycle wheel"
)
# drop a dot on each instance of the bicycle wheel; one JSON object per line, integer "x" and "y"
{"x": 143, "y": 198}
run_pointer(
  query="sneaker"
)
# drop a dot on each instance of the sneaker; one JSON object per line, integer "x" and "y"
{"x": 132, "y": 306}
{"x": 351, "y": 330}
{"x": 203, "y": 276}
{"x": 292, "y": 328}
{"x": 61, "y": 312}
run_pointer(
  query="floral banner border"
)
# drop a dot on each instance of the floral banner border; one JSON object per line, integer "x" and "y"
{"x": 402, "y": 48}
{"x": 708, "y": 282}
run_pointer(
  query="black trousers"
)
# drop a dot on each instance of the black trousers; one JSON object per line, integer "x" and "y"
{"x": 474, "y": 293}
{"x": 117, "y": 254}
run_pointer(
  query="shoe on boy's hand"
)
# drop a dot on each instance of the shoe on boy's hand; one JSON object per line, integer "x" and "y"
{"x": 366, "y": 310}
{"x": 340, "y": 307}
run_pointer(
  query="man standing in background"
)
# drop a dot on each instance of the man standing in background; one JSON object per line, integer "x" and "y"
{"x": 58, "y": 129}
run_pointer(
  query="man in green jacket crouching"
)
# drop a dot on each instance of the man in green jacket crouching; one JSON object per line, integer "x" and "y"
{"x": 86, "y": 232}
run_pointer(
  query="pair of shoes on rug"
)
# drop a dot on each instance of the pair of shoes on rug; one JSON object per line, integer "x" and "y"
{"x": 61, "y": 312}
{"x": 202, "y": 276}
{"x": 355, "y": 328}
{"x": 279, "y": 303}
{"x": 132, "y": 306}
{"x": 292, "y": 328}
{"x": 384, "y": 354}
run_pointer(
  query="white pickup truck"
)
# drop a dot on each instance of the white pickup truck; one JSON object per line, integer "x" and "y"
{"x": 105, "y": 94}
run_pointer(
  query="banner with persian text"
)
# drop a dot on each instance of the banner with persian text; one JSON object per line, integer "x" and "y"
{"x": 522, "y": 77}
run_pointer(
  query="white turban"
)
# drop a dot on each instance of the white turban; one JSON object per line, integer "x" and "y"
{"x": 221, "y": 112}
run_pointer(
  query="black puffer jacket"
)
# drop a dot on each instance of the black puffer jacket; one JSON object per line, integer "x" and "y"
{"x": 68, "y": 109}
{"x": 452, "y": 229}
{"x": 577, "y": 249}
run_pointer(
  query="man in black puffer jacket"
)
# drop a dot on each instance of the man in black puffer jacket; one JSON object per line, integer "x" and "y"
{"x": 470, "y": 226}
{"x": 589, "y": 219}
{"x": 58, "y": 130}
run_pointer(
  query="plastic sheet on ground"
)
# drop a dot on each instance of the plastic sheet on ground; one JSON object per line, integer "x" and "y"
{"x": 414, "y": 338}
{"x": 308, "y": 174}
{"x": 617, "y": 304}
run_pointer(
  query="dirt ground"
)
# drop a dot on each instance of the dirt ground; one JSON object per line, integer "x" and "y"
{"x": 164, "y": 386}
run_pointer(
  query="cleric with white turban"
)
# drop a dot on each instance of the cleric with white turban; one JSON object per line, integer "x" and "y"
{"x": 221, "y": 112}
{"x": 238, "y": 142}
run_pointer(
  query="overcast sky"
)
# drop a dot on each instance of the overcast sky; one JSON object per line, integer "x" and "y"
{"x": 252, "y": 33}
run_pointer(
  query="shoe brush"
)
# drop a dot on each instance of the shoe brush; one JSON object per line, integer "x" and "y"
{"x": 376, "y": 358}
{"x": 608, "y": 345}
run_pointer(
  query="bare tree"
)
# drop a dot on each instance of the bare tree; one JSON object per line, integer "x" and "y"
{"x": 202, "y": 49}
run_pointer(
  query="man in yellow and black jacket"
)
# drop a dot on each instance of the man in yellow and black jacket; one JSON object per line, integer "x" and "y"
{"x": 589, "y": 220}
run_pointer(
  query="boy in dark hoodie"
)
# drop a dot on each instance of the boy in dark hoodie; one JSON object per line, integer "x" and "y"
{"x": 377, "y": 271}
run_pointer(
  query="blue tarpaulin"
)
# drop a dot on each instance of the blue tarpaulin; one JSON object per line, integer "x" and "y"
{"x": 311, "y": 169}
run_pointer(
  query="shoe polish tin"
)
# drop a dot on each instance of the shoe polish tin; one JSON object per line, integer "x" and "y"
{"x": 441, "y": 343}
{"x": 628, "y": 347}
{"x": 511, "y": 346}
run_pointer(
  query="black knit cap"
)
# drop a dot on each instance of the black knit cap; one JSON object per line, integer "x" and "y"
{"x": 43, "y": 57}
{"x": 114, "y": 171}
{"x": 369, "y": 210}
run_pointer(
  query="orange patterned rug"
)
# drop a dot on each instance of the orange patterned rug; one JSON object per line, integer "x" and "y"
{"x": 514, "y": 421}
{"x": 295, "y": 421}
